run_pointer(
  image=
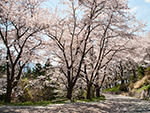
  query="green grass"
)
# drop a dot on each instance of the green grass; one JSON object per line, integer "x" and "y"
{"x": 40, "y": 103}
{"x": 96, "y": 99}
{"x": 45, "y": 103}
{"x": 113, "y": 89}
{"x": 144, "y": 88}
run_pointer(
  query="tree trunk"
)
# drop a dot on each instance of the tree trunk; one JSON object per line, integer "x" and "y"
{"x": 8, "y": 92}
{"x": 98, "y": 92}
{"x": 109, "y": 85}
{"x": 93, "y": 91}
{"x": 9, "y": 83}
{"x": 88, "y": 96}
{"x": 97, "y": 87}
{"x": 69, "y": 92}
{"x": 115, "y": 84}
{"x": 134, "y": 73}
{"x": 122, "y": 81}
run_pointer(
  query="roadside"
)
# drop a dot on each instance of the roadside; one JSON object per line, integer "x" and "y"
{"x": 112, "y": 104}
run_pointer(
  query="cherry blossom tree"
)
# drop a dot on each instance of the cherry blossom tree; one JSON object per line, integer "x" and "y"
{"x": 143, "y": 50}
{"x": 124, "y": 65}
{"x": 108, "y": 38}
{"x": 71, "y": 38}
{"x": 21, "y": 23}
{"x": 92, "y": 25}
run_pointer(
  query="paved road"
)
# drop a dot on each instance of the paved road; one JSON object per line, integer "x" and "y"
{"x": 113, "y": 104}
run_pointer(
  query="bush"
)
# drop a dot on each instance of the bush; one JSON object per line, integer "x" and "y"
{"x": 119, "y": 88}
{"x": 147, "y": 70}
{"x": 133, "y": 79}
{"x": 141, "y": 72}
{"x": 48, "y": 93}
{"x": 113, "y": 89}
{"x": 147, "y": 87}
{"x": 123, "y": 87}
{"x": 131, "y": 86}
{"x": 36, "y": 95}
{"x": 34, "y": 91}
{"x": 144, "y": 81}
{"x": 2, "y": 97}
{"x": 80, "y": 94}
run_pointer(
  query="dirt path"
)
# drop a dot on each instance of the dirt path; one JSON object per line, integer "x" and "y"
{"x": 113, "y": 104}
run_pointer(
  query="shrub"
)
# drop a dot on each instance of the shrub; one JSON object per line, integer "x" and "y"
{"x": 144, "y": 81}
{"x": 123, "y": 87}
{"x": 147, "y": 71}
{"x": 146, "y": 87}
{"x": 141, "y": 72}
{"x": 113, "y": 89}
{"x": 2, "y": 97}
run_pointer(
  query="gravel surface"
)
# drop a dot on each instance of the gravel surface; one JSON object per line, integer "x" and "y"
{"x": 113, "y": 104}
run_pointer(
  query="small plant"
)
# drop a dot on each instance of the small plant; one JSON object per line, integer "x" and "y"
{"x": 147, "y": 87}
{"x": 2, "y": 97}
{"x": 147, "y": 70}
{"x": 95, "y": 99}
{"x": 123, "y": 87}
{"x": 141, "y": 72}
{"x": 40, "y": 103}
{"x": 113, "y": 89}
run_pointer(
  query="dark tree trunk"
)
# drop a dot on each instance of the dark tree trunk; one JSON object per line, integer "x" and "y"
{"x": 134, "y": 73}
{"x": 9, "y": 83}
{"x": 126, "y": 80}
{"x": 93, "y": 91}
{"x": 109, "y": 85}
{"x": 10, "y": 80}
{"x": 122, "y": 81}
{"x": 98, "y": 92}
{"x": 97, "y": 87}
{"x": 88, "y": 96}
{"x": 8, "y": 92}
{"x": 115, "y": 84}
{"x": 69, "y": 92}
{"x": 121, "y": 73}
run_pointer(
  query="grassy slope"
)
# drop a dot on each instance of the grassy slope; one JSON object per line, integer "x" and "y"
{"x": 113, "y": 89}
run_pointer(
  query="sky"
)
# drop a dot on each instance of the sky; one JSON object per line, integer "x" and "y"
{"x": 140, "y": 8}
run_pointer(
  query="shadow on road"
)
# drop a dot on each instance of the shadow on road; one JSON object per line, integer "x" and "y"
{"x": 113, "y": 104}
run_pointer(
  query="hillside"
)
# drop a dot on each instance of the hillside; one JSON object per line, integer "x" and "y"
{"x": 141, "y": 88}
